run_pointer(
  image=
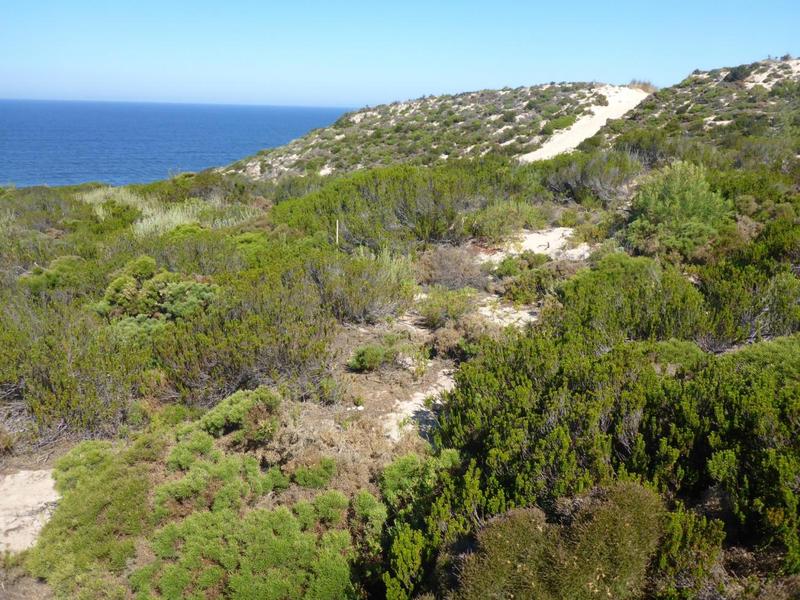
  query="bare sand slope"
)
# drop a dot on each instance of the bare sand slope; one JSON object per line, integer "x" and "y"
{"x": 552, "y": 242}
{"x": 27, "y": 499}
{"x": 621, "y": 99}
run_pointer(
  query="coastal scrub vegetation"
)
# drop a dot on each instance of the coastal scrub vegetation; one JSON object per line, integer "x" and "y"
{"x": 639, "y": 440}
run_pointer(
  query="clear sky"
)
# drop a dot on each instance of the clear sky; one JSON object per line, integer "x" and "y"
{"x": 340, "y": 53}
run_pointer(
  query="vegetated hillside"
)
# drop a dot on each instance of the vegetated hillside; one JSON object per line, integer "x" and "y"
{"x": 512, "y": 122}
{"x": 749, "y": 109}
{"x": 251, "y": 384}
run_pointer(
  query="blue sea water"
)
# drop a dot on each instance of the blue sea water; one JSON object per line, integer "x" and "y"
{"x": 59, "y": 143}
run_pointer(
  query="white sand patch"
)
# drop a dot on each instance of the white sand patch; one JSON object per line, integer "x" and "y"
{"x": 326, "y": 170}
{"x": 253, "y": 169}
{"x": 27, "y": 499}
{"x": 621, "y": 99}
{"x": 413, "y": 410}
{"x": 552, "y": 242}
{"x": 506, "y": 315}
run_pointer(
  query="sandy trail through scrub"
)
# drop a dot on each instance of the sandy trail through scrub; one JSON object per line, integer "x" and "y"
{"x": 621, "y": 99}
{"x": 413, "y": 409}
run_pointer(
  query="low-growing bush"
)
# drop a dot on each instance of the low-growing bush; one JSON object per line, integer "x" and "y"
{"x": 687, "y": 552}
{"x": 502, "y": 220}
{"x": 442, "y": 305}
{"x": 604, "y": 551}
{"x": 363, "y": 288}
{"x": 452, "y": 267}
{"x": 315, "y": 476}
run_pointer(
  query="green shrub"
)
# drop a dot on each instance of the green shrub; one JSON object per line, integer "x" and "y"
{"x": 557, "y": 123}
{"x": 603, "y": 552}
{"x": 62, "y": 272}
{"x": 649, "y": 302}
{"x": 686, "y": 554}
{"x": 371, "y": 357}
{"x": 442, "y": 305}
{"x": 248, "y": 413}
{"x": 330, "y": 507}
{"x": 363, "y": 288}
{"x": 141, "y": 291}
{"x": 675, "y": 211}
{"x": 318, "y": 476}
{"x": 264, "y": 554}
{"x": 366, "y": 521}
{"x": 103, "y": 510}
{"x": 530, "y": 286}
{"x": 500, "y": 221}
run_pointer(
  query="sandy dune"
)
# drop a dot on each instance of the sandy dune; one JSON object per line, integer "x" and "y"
{"x": 27, "y": 499}
{"x": 621, "y": 99}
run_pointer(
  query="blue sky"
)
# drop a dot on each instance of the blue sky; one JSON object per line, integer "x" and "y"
{"x": 356, "y": 53}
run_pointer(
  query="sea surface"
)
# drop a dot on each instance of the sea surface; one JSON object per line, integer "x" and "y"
{"x": 60, "y": 143}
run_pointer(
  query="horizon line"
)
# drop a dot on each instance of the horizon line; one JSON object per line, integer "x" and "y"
{"x": 177, "y": 103}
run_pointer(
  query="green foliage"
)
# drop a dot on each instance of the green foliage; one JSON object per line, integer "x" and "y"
{"x": 265, "y": 333}
{"x": 248, "y": 414}
{"x": 316, "y": 476}
{"x": 363, "y": 288}
{"x": 330, "y": 507}
{"x": 529, "y": 285}
{"x": 265, "y": 554}
{"x": 104, "y": 508}
{"x": 593, "y": 178}
{"x": 366, "y": 520}
{"x": 561, "y": 122}
{"x": 753, "y": 292}
{"x": 687, "y": 552}
{"x": 630, "y": 298}
{"x": 604, "y": 551}
{"x": 63, "y": 272}
{"x": 441, "y": 306}
{"x": 675, "y": 211}
{"x": 141, "y": 290}
{"x": 541, "y": 416}
{"x": 500, "y": 221}
{"x": 70, "y": 370}
{"x": 371, "y": 357}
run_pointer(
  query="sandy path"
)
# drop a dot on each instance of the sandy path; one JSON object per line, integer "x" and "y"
{"x": 413, "y": 409}
{"x": 27, "y": 499}
{"x": 621, "y": 99}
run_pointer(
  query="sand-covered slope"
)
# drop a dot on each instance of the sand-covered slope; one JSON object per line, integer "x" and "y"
{"x": 621, "y": 99}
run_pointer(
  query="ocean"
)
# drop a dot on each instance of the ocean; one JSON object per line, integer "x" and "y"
{"x": 61, "y": 143}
